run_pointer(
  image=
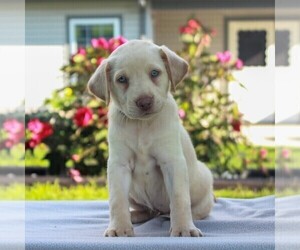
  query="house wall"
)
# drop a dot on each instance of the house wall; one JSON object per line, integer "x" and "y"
{"x": 167, "y": 23}
{"x": 12, "y": 54}
{"x": 47, "y": 39}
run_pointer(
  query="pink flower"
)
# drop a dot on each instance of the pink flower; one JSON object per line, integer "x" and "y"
{"x": 40, "y": 130}
{"x": 9, "y": 143}
{"x": 194, "y": 24}
{"x": 186, "y": 30}
{"x": 83, "y": 116}
{"x": 116, "y": 42}
{"x": 103, "y": 43}
{"x": 100, "y": 43}
{"x": 181, "y": 113}
{"x": 285, "y": 153}
{"x": 75, "y": 175}
{"x": 206, "y": 40}
{"x": 224, "y": 57}
{"x": 81, "y": 51}
{"x": 15, "y": 130}
{"x": 239, "y": 64}
{"x": 15, "y": 138}
{"x": 75, "y": 157}
{"x": 13, "y": 126}
{"x": 35, "y": 126}
{"x": 94, "y": 43}
{"x": 263, "y": 153}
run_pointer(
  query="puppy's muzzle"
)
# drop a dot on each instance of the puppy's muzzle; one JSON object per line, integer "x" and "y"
{"x": 144, "y": 103}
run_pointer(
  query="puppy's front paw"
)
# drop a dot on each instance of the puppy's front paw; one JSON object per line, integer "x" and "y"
{"x": 119, "y": 231}
{"x": 186, "y": 231}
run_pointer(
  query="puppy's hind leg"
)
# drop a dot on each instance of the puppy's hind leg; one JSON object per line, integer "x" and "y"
{"x": 139, "y": 216}
{"x": 140, "y": 213}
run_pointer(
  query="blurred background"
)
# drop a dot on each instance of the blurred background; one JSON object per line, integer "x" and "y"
{"x": 227, "y": 102}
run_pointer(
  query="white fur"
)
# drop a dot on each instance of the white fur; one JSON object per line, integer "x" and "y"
{"x": 152, "y": 166}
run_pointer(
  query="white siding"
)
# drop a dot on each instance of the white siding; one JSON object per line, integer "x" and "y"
{"x": 12, "y": 54}
{"x": 12, "y": 28}
{"x": 46, "y": 21}
{"x": 47, "y": 39}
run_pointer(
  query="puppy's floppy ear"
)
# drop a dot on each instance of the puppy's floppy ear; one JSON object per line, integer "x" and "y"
{"x": 99, "y": 84}
{"x": 176, "y": 66}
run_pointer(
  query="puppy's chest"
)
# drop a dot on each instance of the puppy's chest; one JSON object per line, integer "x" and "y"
{"x": 141, "y": 140}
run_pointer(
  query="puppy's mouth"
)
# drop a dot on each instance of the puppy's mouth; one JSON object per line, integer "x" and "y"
{"x": 148, "y": 114}
{"x": 142, "y": 115}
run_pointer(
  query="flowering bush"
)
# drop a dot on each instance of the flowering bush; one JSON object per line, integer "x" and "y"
{"x": 75, "y": 125}
{"x": 206, "y": 110}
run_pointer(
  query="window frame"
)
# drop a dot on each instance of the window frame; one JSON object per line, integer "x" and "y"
{"x": 90, "y": 20}
{"x": 234, "y": 25}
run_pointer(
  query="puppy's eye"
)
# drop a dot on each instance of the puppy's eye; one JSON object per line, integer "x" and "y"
{"x": 154, "y": 73}
{"x": 122, "y": 79}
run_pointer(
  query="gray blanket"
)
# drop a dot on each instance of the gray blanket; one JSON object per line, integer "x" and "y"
{"x": 233, "y": 224}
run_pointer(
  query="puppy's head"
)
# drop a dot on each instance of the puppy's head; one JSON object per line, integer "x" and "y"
{"x": 137, "y": 77}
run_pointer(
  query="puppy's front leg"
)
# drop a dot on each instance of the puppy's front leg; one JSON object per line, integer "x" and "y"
{"x": 176, "y": 180}
{"x": 119, "y": 179}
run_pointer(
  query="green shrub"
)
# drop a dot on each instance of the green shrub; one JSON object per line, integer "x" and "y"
{"x": 56, "y": 192}
{"x": 74, "y": 125}
{"x": 210, "y": 116}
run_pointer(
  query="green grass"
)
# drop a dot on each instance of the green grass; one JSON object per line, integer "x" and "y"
{"x": 92, "y": 191}
{"x": 244, "y": 193}
{"x": 12, "y": 192}
{"x": 56, "y": 192}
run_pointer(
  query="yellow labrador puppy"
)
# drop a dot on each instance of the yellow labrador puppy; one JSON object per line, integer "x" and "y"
{"x": 152, "y": 166}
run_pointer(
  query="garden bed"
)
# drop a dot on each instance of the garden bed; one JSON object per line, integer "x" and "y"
{"x": 253, "y": 183}
{"x": 254, "y": 179}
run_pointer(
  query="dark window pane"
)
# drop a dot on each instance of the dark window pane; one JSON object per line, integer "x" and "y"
{"x": 252, "y": 47}
{"x": 85, "y": 33}
{"x": 81, "y": 34}
{"x": 282, "y": 44}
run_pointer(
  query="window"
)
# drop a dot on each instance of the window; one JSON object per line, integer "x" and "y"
{"x": 252, "y": 41}
{"x": 282, "y": 45}
{"x": 252, "y": 47}
{"x": 82, "y": 30}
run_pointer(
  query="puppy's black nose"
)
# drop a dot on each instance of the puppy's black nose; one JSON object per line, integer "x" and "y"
{"x": 144, "y": 103}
